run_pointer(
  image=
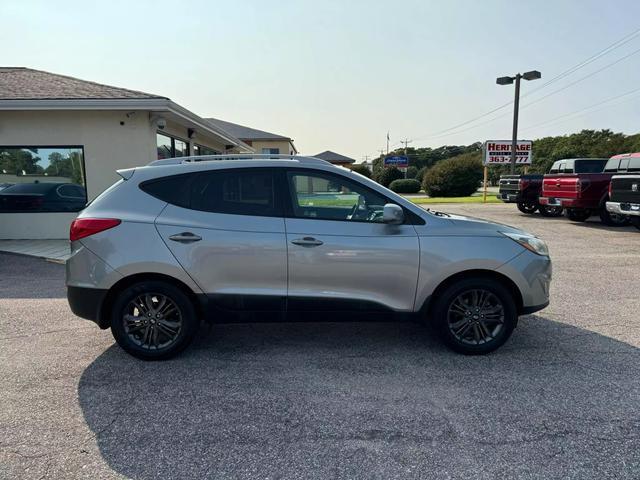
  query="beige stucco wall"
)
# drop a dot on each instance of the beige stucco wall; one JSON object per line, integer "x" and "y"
{"x": 283, "y": 145}
{"x": 108, "y": 146}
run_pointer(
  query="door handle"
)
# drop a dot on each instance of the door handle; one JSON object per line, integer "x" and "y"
{"x": 307, "y": 242}
{"x": 185, "y": 237}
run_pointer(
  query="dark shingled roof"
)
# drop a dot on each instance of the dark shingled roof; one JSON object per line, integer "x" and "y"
{"x": 334, "y": 157}
{"x": 245, "y": 133}
{"x": 20, "y": 83}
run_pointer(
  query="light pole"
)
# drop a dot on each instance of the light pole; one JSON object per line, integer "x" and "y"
{"x": 532, "y": 75}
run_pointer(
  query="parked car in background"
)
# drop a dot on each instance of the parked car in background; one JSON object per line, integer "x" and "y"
{"x": 225, "y": 237}
{"x": 43, "y": 197}
{"x": 624, "y": 190}
{"x": 525, "y": 190}
{"x": 585, "y": 193}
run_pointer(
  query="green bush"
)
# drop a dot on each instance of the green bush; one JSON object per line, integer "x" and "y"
{"x": 420, "y": 174}
{"x": 454, "y": 177}
{"x": 361, "y": 169}
{"x": 412, "y": 172}
{"x": 409, "y": 185}
{"x": 388, "y": 175}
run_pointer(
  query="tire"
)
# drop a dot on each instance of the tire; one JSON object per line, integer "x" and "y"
{"x": 635, "y": 221}
{"x": 462, "y": 331}
{"x": 161, "y": 320}
{"x": 612, "y": 219}
{"x": 578, "y": 214}
{"x": 527, "y": 207}
{"x": 547, "y": 211}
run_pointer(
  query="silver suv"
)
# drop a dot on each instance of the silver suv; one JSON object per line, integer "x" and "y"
{"x": 258, "y": 238}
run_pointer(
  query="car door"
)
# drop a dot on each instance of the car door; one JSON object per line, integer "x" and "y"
{"x": 341, "y": 255}
{"x": 229, "y": 236}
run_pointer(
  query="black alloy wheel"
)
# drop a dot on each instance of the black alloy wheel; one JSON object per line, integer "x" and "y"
{"x": 549, "y": 211}
{"x": 527, "y": 207}
{"x": 153, "y": 320}
{"x": 475, "y": 316}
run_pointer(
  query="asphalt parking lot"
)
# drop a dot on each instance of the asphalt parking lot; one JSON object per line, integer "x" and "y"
{"x": 560, "y": 400}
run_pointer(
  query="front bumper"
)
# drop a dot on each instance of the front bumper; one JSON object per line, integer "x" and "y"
{"x": 622, "y": 208}
{"x": 508, "y": 197}
{"x": 532, "y": 275}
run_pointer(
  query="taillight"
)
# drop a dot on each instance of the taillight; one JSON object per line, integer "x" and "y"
{"x": 610, "y": 189}
{"x": 522, "y": 184}
{"x": 84, "y": 227}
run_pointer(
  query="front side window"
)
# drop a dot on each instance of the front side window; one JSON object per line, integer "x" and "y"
{"x": 42, "y": 179}
{"x": 236, "y": 191}
{"x": 634, "y": 164}
{"x": 331, "y": 197}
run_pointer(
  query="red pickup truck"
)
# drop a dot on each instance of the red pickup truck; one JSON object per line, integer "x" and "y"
{"x": 584, "y": 194}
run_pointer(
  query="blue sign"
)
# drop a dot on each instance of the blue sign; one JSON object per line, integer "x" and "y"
{"x": 396, "y": 161}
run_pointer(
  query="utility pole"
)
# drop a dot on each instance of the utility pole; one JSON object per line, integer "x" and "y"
{"x": 406, "y": 142}
{"x": 387, "y": 142}
{"x": 365, "y": 158}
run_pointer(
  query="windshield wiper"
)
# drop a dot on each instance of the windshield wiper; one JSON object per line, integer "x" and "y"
{"x": 437, "y": 213}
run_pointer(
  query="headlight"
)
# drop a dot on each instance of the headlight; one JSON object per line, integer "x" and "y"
{"x": 529, "y": 242}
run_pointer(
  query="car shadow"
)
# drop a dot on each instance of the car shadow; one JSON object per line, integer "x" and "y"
{"x": 364, "y": 400}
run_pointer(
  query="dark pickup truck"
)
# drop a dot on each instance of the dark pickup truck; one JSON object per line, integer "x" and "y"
{"x": 624, "y": 191}
{"x": 525, "y": 190}
{"x": 584, "y": 194}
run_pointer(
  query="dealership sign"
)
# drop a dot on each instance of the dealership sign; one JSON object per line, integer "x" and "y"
{"x": 497, "y": 152}
{"x": 399, "y": 161}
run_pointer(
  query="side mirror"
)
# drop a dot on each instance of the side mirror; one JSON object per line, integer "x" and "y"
{"x": 392, "y": 214}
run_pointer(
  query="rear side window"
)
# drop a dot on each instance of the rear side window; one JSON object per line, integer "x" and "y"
{"x": 612, "y": 165}
{"x": 237, "y": 192}
{"x": 589, "y": 166}
{"x": 555, "y": 168}
{"x": 634, "y": 164}
{"x": 174, "y": 189}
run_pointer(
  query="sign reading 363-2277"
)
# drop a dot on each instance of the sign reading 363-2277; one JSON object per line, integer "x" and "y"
{"x": 499, "y": 152}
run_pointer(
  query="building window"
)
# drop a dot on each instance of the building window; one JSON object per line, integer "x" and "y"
{"x": 42, "y": 179}
{"x": 169, "y": 147}
{"x": 202, "y": 150}
{"x": 270, "y": 151}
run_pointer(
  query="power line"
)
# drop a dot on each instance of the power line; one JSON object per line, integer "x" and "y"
{"x": 582, "y": 110}
{"x": 622, "y": 41}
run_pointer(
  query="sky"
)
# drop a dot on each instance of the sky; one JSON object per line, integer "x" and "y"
{"x": 339, "y": 75}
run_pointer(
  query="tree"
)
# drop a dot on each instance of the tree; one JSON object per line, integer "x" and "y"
{"x": 454, "y": 177}
{"x": 412, "y": 172}
{"x": 388, "y": 175}
{"x": 361, "y": 169}
{"x": 405, "y": 185}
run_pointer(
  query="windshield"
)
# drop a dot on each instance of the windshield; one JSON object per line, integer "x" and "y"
{"x": 590, "y": 166}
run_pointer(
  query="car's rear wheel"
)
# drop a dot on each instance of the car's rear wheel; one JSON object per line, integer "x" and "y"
{"x": 153, "y": 320}
{"x": 475, "y": 316}
{"x": 578, "y": 214}
{"x": 612, "y": 219}
{"x": 527, "y": 207}
{"x": 547, "y": 211}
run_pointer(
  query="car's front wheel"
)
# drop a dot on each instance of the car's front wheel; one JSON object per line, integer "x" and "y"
{"x": 612, "y": 219}
{"x": 475, "y": 316}
{"x": 153, "y": 320}
{"x": 635, "y": 221}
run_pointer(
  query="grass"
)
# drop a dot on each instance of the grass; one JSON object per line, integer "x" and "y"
{"x": 473, "y": 199}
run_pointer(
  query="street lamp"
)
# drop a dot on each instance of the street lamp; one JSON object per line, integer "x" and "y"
{"x": 532, "y": 75}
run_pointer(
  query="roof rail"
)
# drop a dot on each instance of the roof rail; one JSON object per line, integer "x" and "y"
{"x": 234, "y": 156}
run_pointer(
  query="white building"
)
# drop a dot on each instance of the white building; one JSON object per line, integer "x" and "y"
{"x": 75, "y": 134}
